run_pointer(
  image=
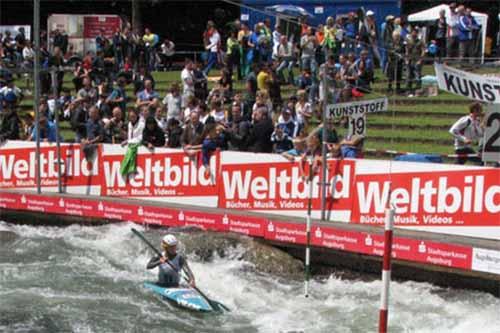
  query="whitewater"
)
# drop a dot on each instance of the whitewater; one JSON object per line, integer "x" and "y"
{"x": 89, "y": 279}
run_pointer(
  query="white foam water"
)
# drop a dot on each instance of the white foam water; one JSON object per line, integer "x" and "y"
{"x": 89, "y": 279}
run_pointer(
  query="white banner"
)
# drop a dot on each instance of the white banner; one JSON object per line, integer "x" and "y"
{"x": 356, "y": 109}
{"x": 491, "y": 141}
{"x": 470, "y": 85}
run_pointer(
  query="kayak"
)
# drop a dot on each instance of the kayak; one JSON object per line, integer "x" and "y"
{"x": 183, "y": 297}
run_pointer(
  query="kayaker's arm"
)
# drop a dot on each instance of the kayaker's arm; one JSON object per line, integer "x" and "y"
{"x": 155, "y": 261}
{"x": 189, "y": 273}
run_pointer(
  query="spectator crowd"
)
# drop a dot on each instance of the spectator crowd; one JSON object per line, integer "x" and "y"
{"x": 331, "y": 63}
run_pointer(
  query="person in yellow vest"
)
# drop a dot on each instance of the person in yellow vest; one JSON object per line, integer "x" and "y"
{"x": 329, "y": 37}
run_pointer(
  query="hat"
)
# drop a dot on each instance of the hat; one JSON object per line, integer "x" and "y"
{"x": 370, "y": 13}
{"x": 287, "y": 111}
{"x": 389, "y": 17}
{"x": 169, "y": 240}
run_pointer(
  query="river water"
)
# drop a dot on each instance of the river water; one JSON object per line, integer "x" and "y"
{"x": 89, "y": 279}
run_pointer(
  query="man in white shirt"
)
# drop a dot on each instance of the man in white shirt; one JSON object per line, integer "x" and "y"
{"x": 453, "y": 31}
{"x": 285, "y": 58}
{"x": 167, "y": 51}
{"x": 466, "y": 130}
{"x": 212, "y": 46}
{"x": 187, "y": 82}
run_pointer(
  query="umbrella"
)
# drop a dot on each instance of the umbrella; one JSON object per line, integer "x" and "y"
{"x": 289, "y": 10}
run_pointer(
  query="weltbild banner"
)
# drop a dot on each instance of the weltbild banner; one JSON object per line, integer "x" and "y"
{"x": 477, "y": 87}
{"x": 452, "y": 199}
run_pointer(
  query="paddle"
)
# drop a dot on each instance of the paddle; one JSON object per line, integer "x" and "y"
{"x": 217, "y": 306}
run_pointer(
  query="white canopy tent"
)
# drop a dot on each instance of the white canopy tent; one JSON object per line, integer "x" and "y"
{"x": 432, "y": 14}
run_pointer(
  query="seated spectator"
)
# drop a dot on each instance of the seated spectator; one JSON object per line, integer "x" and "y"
{"x": 115, "y": 128}
{"x": 217, "y": 112}
{"x": 118, "y": 96}
{"x": 94, "y": 128}
{"x": 303, "y": 108}
{"x": 226, "y": 83}
{"x": 9, "y": 125}
{"x": 193, "y": 131}
{"x": 281, "y": 141}
{"x": 174, "y": 133}
{"x": 297, "y": 151}
{"x": 363, "y": 67}
{"x": 153, "y": 135}
{"x": 263, "y": 78}
{"x": 287, "y": 123}
{"x": 87, "y": 91}
{"x": 47, "y": 131}
{"x": 160, "y": 118}
{"x": 352, "y": 146}
{"x": 148, "y": 97}
{"x": 79, "y": 116}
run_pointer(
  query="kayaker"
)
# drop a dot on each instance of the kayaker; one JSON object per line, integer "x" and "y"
{"x": 169, "y": 277}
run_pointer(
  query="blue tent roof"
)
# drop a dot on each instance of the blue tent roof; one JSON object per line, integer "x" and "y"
{"x": 321, "y": 9}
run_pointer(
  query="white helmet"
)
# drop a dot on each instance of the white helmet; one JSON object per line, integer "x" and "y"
{"x": 170, "y": 240}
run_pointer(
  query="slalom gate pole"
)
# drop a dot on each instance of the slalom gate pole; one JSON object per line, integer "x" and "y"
{"x": 386, "y": 270}
{"x": 53, "y": 74}
{"x": 36, "y": 93}
{"x": 308, "y": 229}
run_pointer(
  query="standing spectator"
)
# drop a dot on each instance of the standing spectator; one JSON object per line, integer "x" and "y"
{"x": 261, "y": 132}
{"x": 467, "y": 33}
{"x": 153, "y": 135}
{"x": 276, "y": 40}
{"x": 395, "y": 64}
{"x": 441, "y": 31}
{"x": 308, "y": 46}
{"x": 351, "y": 30}
{"x": 453, "y": 31}
{"x": 135, "y": 128}
{"x": 285, "y": 58}
{"x": 415, "y": 51}
{"x": 465, "y": 131}
{"x": 213, "y": 41}
{"x": 167, "y": 52}
{"x": 238, "y": 130}
{"x": 328, "y": 73}
{"x": 150, "y": 40}
{"x": 79, "y": 117}
{"x": 386, "y": 42}
{"x": 173, "y": 103}
{"x": 99, "y": 40}
{"x": 329, "y": 37}
{"x": 233, "y": 54}
{"x": 187, "y": 82}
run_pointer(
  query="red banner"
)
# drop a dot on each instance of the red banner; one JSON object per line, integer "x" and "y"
{"x": 18, "y": 167}
{"x": 92, "y": 25}
{"x": 171, "y": 174}
{"x": 451, "y": 198}
{"x": 279, "y": 186}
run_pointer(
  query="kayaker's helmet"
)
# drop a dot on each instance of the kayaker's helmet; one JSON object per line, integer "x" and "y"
{"x": 169, "y": 240}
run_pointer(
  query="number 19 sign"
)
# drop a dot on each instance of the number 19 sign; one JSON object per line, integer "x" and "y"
{"x": 356, "y": 111}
